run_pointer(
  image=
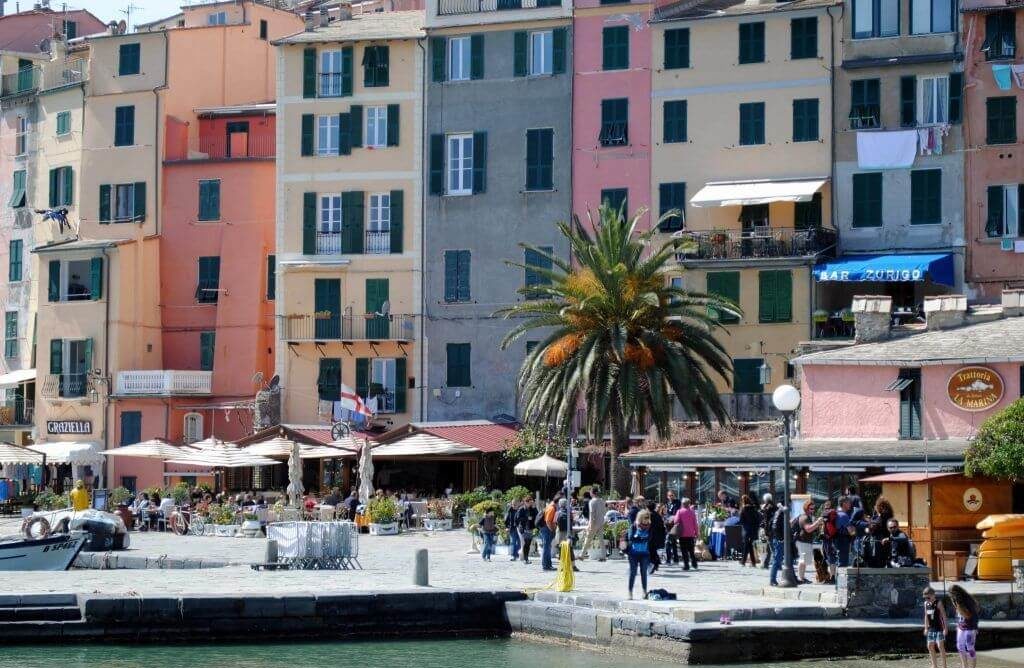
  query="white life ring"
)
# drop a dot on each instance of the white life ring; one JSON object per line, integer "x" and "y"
{"x": 30, "y": 524}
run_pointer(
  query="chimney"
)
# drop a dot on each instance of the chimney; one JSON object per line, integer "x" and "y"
{"x": 325, "y": 17}
{"x": 1013, "y": 303}
{"x": 945, "y": 311}
{"x": 871, "y": 317}
{"x": 310, "y": 21}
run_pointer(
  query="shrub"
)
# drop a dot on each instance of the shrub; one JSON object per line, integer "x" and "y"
{"x": 179, "y": 493}
{"x": 516, "y": 494}
{"x": 47, "y": 500}
{"x": 223, "y": 515}
{"x": 467, "y": 500}
{"x": 616, "y": 531}
{"x": 120, "y": 495}
{"x": 439, "y": 509}
{"x": 383, "y": 510}
{"x": 998, "y": 449}
{"x": 481, "y": 508}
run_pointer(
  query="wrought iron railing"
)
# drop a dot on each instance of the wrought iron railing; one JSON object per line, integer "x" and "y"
{"x": 764, "y": 242}
{"x": 327, "y": 326}
{"x": 451, "y": 7}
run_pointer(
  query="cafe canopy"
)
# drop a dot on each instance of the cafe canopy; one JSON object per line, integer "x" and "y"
{"x": 910, "y": 267}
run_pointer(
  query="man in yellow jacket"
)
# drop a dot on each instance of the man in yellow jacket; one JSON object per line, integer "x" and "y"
{"x": 79, "y": 497}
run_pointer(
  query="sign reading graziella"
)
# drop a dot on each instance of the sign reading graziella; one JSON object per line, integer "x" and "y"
{"x": 69, "y": 426}
{"x": 975, "y": 388}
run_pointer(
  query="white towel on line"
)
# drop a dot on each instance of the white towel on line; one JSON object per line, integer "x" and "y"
{"x": 886, "y": 150}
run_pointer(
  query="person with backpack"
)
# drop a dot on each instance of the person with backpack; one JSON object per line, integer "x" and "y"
{"x": 637, "y": 547}
{"x": 750, "y": 521}
{"x": 777, "y": 535}
{"x": 829, "y": 538}
{"x": 806, "y": 527}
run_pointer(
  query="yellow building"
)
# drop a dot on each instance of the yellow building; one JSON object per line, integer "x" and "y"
{"x": 349, "y": 128}
{"x": 751, "y": 180}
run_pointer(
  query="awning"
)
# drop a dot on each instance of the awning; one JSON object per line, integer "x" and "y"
{"x": 884, "y": 268}
{"x": 78, "y": 453}
{"x": 740, "y": 193}
{"x": 422, "y": 445}
{"x": 909, "y": 476}
{"x": 16, "y": 454}
{"x": 16, "y": 378}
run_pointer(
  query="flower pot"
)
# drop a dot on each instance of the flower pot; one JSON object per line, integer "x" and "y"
{"x": 225, "y": 530}
{"x": 437, "y": 525}
{"x": 251, "y": 528}
{"x": 389, "y": 529}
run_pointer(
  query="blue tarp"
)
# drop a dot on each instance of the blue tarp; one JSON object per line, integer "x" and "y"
{"x": 882, "y": 268}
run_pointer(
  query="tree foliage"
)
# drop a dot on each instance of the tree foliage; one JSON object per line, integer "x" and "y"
{"x": 532, "y": 441}
{"x": 998, "y": 449}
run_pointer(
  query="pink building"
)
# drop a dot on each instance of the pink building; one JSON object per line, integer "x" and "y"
{"x": 611, "y": 105}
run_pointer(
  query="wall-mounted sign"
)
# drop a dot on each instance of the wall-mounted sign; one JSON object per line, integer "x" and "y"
{"x": 973, "y": 499}
{"x": 69, "y": 426}
{"x": 975, "y": 388}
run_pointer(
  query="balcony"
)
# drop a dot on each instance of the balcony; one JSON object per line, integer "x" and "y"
{"x": 332, "y": 327}
{"x": 22, "y": 82}
{"x": 237, "y": 146}
{"x": 58, "y": 75}
{"x": 453, "y": 7}
{"x": 375, "y": 242}
{"x": 64, "y": 385}
{"x": 759, "y": 243}
{"x": 16, "y": 412}
{"x": 163, "y": 383}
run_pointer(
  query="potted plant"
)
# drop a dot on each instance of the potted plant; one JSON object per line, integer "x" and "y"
{"x": 820, "y": 316}
{"x": 846, "y": 315}
{"x": 119, "y": 498}
{"x": 613, "y": 533}
{"x": 251, "y": 527}
{"x": 383, "y": 514}
{"x": 439, "y": 515}
{"x": 223, "y": 523}
{"x": 720, "y": 515}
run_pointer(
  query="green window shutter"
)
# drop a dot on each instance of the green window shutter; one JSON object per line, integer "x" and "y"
{"x": 309, "y": 72}
{"x": 67, "y": 193}
{"x": 908, "y": 101}
{"x": 209, "y": 200}
{"x": 994, "y": 221}
{"x": 476, "y": 57}
{"x": 328, "y": 382}
{"x": 803, "y": 35}
{"x": 805, "y": 120}
{"x": 479, "y": 162}
{"x": 615, "y": 48}
{"x": 394, "y": 124}
{"x": 56, "y": 356}
{"x": 725, "y": 284}
{"x": 766, "y": 296}
{"x": 18, "y": 198}
{"x": 674, "y": 130}
{"x": 14, "y": 260}
{"x": 437, "y": 164}
{"x": 124, "y": 126}
{"x": 128, "y": 59}
{"x": 677, "y": 48}
{"x": 271, "y": 277}
{"x": 346, "y": 71}
{"x": 54, "y": 196}
{"x": 956, "y": 97}
{"x": 672, "y": 198}
{"x": 87, "y": 354}
{"x": 1001, "y": 120}
{"x": 96, "y": 278}
{"x": 140, "y": 201}
{"x": 104, "y": 204}
{"x": 519, "y": 56}
{"x": 451, "y": 276}
{"x": 355, "y": 121}
{"x": 207, "y": 350}
{"x": 352, "y": 214}
{"x": 327, "y": 301}
{"x": 383, "y": 66}
{"x": 463, "y": 278}
{"x": 307, "y": 134}
{"x": 867, "y": 200}
{"x": 438, "y": 58}
{"x": 925, "y": 196}
{"x": 751, "y": 123}
{"x": 345, "y": 131}
{"x": 458, "y": 365}
{"x": 309, "y": 223}
{"x": 63, "y": 123}
{"x": 775, "y": 296}
{"x": 397, "y": 200}
{"x": 363, "y": 377}
{"x": 751, "y": 43}
{"x": 53, "y": 288}
{"x": 377, "y": 292}
{"x": 558, "y": 46}
{"x": 539, "y": 159}
{"x": 401, "y": 384}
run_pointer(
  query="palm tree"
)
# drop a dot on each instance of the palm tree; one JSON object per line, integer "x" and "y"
{"x": 618, "y": 336}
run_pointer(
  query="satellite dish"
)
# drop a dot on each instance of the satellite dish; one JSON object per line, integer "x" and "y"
{"x": 275, "y": 382}
{"x": 45, "y": 45}
{"x": 122, "y": 27}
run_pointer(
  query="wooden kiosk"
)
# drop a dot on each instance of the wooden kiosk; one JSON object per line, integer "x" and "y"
{"x": 939, "y": 512}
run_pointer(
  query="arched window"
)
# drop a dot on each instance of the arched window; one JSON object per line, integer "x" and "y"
{"x": 193, "y": 427}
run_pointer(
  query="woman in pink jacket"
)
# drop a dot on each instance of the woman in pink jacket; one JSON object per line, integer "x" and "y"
{"x": 686, "y": 519}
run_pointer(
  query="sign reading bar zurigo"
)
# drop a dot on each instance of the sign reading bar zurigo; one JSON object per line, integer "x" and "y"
{"x": 69, "y": 426}
{"x": 975, "y": 388}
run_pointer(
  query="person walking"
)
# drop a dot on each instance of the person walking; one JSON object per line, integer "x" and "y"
{"x": 547, "y": 533}
{"x": 489, "y": 531}
{"x": 526, "y": 520}
{"x": 750, "y": 521}
{"x": 807, "y": 527}
{"x": 638, "y": 549}
{"x": 935, "y": 627}
{"x": 595, "y": 530}
{"x": 513, "y": 533}
{"x": 767, "y": 515}
{"x": 673, "y": 503}
{"x": 658, "y": 534}
{"x": 686, "y": 520}
{"x": 638, "y": 504}
{"x": 967, "y": 612}
{"x": 777, "y": 534}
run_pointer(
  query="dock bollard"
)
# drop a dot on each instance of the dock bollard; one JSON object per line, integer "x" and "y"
{"x": 420, "y": 573}
{"x": 271, "y": 554}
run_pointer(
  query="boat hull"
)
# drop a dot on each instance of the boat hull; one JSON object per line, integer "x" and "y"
{"x": 55, "y": 553}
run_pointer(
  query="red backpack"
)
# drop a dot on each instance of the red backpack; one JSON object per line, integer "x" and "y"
{"x": 831, "y": 530}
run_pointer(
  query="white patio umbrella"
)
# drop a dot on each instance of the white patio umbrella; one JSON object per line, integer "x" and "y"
{"x": 544, "y": 466}
{"x": 278, "y": 446}
{"x": 154, "y": 448}
{"x": 224, "y": 456}
{"x": 365, "y": 473}
{"x": 325, "y": 452}
{"x": 11, "y": 454}
{"x": 295, "y": 487}
{"x": 211, "y": 442}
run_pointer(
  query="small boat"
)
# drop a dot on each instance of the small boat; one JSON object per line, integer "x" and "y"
{"x": 53, "y": 553}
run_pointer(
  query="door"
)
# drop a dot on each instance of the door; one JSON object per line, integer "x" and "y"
{"x": 25, "y": 73}
{"x": 327, "y": 298}
{"x": 910, "y": 405}
{"x": 237, "y": 139}
{"x": 378, "y": 324}
{"x": 77, "y": 363}
{"x": 131, "y": 427}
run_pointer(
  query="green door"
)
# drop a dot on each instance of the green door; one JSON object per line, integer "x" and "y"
{"x": 377, "y": 326}
{"x": 327, "y": 304}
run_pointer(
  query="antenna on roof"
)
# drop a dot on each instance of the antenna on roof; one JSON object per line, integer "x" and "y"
{"x": 127, "y": 11}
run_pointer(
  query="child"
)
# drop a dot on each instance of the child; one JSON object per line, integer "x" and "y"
{"x": 489, "y": 529}
{"x": 966, "y": 625}
{"x": 934, "y": 626}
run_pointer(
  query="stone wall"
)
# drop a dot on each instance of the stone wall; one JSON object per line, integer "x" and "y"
{"x": 882, "y": 592}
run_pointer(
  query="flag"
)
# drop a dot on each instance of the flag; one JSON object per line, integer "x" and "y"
{"x": 353, "y": 402}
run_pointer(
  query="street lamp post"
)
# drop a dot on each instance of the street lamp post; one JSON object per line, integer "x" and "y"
{"x": 786, "y": 399}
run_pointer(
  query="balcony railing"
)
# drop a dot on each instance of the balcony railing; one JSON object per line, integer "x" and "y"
{"x": 376, "y": 242}
{"x": 333, "y": 327}
{"x": 16, "y": 412}
{"x": 767, "y": 242}
{"x": 164, "y": 382}
{"x": 237, "y": 146}
{"x": 59, "y": 74}
{"x": 450, "y": 7}
{"x": 25, "y": 80}
{"x": 64, "y": 385}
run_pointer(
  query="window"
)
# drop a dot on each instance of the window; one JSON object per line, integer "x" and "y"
{"x": 15, "y": 258}
{"x": 746, "y": 376}
{"x": 540, "y": 159}
{"x": 460, "y": 164}
{"x": 615, "y": 199}
{"x": 1004, "y": 212}
{"x": 456, "y": 276}
{"x": 71, "y": 361}
{"x": 376, "y": 127}
{"x": 865, "y": 108}
{"x": 925, "y": 196}
{"x": 11, "y": 334}
{"x": 459, "y": 59}
{"x": 208, "y": 287}
{"x": 754, "y": 217}
{"x": 933, "y": 100}
{"x": 677, "y": 48}
{"x": 17, "y": 189}
{"x": 458, "y": 365}
{"x": 614, "y": 122}
{"x": 615, "y": 48}
{"x": 328, "y": 134}
{"x": 61, "y": 187}
{"x": 676, "y": 283}
{"x": 263, "y": 29}
{"x": 751, "y": 123}
{"x": 751, "y": 43}
{"x": 21, "y": 138}
{"x": 122, "y": 202}
{"x": 124, "y": 126}
{"x": 131, "y": 427}
{"x": 928, "y": 16}
{"x": 378, "y": 231}
{"x": 541, "y": 52}
{"x": 128, "y": 59}
{"x": 1001, "y": 120}
{"x": 807, "y": 215}
{"x": 193, "y": 428}
{"x": 724, "y": 284}
{"x": 209, "y": 199}
{"x": 383, "y": 384}
{"x": 70, "y": 29}
{"x": 867, "y": 200}
{"x": 910, "y": 404}
{"x": 328, "y": 238}
{"x": 331, "y": 73}
{"x": 75, "y": 280}
{"x": 672, "y": 198}
{"x": 775, "y": 296}
{"x": 271, "y": 277}
{"x": 803, "y": 38}
{"x": 328, "y": 381}
{"x": 63, "y": 123}
{"x": 217, "y": 19}
{"x": 207, "y": 349}
{"x": 805, "y": 120}
{"x": 376, "y": 62}
{"x": 1000, "y": 35}
{"x": 674, "y": 130}
{"x": 875, "y": 18}
{"x": 532, "y": 258}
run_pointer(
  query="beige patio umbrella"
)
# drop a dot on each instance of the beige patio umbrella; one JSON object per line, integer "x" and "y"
{"x": 212, "y": 442}
{"x": 544, "y": 466}
{"x": 365, "y": 473}
{"x": 278, "y": 446}
{"x": 223, "y": 456}
{"x": 325, "y": 452}
{"x": 154, "y": 448}
{"x": 295, "y": 487}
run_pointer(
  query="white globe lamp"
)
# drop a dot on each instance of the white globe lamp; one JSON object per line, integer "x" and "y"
{"x": 786, "y": 398}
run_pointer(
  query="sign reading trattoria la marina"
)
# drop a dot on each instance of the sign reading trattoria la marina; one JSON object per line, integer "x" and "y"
{"x": 975, "y": 388}
{"x": 69, "y": 426}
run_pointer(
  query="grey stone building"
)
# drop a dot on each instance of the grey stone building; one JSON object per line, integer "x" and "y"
{"x": 496, "y": 158}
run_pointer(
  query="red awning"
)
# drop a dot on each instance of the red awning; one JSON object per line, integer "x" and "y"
{"x": 909, "y": 476}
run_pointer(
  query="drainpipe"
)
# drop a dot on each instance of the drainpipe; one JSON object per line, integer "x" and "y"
{"x": 832, "y": 149}
{"x": 157, "y": 149}
{"x": 424, "y": 388}
{"x": 106, "y": 357}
